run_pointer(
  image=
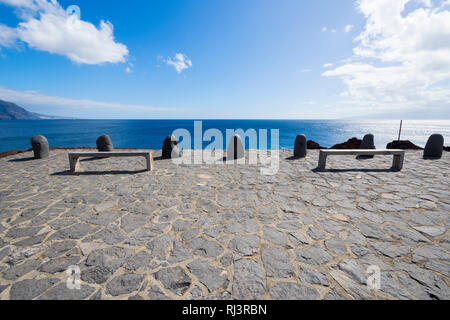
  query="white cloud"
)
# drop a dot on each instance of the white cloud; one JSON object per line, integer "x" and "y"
{"x": 401, "y": 59}
{"x": 46, "y": 26}
{"x": 349, "y": 27}
{"x": 324, "y": 29}
{"x": 128, "y": 70}
{"x": 7, "y": 36}
{"x": 38, "y": 99}
{"x": 327, "y": 65}
{"x": 180, "y": 62}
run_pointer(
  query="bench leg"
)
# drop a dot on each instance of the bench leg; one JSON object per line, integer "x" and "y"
{"x": 397, "y": 163}
{"x": 75, "y": 164}
{"x": 322, "y": 161}
{"x": 149, "y": 158}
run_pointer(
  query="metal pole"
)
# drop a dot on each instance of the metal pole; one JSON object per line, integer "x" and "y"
{"x": 400, "y": 131}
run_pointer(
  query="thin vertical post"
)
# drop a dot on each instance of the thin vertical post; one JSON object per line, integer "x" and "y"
{"x": 400, "y": 131}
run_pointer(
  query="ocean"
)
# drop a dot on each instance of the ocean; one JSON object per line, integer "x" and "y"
{"x": 16, "y": 134}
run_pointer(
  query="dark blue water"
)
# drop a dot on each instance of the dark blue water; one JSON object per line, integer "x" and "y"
{"x": 151, "y": 133}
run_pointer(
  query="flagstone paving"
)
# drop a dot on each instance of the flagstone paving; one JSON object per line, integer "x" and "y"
{"x": 224, "y": 231}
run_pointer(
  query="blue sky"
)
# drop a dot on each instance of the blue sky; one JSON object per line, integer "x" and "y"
{"x": 226, "y": 59}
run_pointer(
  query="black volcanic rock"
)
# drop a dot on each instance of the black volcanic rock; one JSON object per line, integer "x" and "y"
{"x": 312, "y": 145}
{"x": 403, "y": 145}
{"x": 353, "y": 143}
{"x": 447, "y": 149}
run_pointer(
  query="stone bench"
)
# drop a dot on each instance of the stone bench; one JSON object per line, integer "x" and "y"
{"x": 397, "y": 164}
{"x": 74, "y": 158}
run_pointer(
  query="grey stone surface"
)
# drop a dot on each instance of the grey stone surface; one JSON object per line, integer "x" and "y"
{"x": 139, "y": 260}
{"x": 391, "y": 250}
{"x": 312, "y": 277}
{"x": 205, "y": 248}
{"x": 292, "y": 291}
{"x": 353, "y": 269}
{"x": 431, "y": 231}
{"x": 244, "y": 245}
{"x": 30, "y": 289}
{"x": 124, "y": 284}
{"x": 15, "y": 272}
{"x": 62, "y": 292}
{"x": 22, "y": 232}
{"x": 275, "y": 236}
{"x": 59, "y": 264}
{"x": 249, "y": 281}
{"x": 276, "y": 262}
{"x": 213, "y": 278}
{"x": 174, "y": 279}
{"x": 313, "y": 255}
{"x": 240, "y": 232}
{"x": 179, "y": 253}
{"x": 336, "y": 246}
{"x": 155, "y": 293}
{"x": 102, "y": 263}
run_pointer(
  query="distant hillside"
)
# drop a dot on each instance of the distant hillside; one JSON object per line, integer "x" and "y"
{"x": 11, "y": 111}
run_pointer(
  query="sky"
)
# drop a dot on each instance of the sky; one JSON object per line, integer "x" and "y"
{"x": 222, "y": 59}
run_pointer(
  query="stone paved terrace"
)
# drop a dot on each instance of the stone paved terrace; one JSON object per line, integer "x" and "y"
{"x": 224, "y": 231}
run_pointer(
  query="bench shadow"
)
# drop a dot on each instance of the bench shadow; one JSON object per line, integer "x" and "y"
{"x": 22, "y": 159}
{"x": 292, "y": 158}
{"x": 354, "y": 170}
{"x": 97, "y": 173}
{"x": 91, "y": 159}
{"x": 362, "y": 158}
{"x": 431, "y": 158}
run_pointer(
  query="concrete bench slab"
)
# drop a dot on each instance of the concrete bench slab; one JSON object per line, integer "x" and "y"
{"x": 74, "y": 158}
{"x": 397, "y": 164}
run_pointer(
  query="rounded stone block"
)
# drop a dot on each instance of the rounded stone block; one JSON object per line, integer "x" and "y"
{"x": 367, "y": 144}
{"x": 235, "y": 148}
{"x": 434, "y": 146}
{"x": 104, "y": 144}
{"x": 40, "y": 147}
{"x": 170, "y": 149}
{"x": 300, "y": 147}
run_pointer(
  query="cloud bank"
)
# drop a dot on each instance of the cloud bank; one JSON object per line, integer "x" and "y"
{"x": 46, "y": 26}
{"x": 402, "y": 57}
{"x": 37, "y": 98}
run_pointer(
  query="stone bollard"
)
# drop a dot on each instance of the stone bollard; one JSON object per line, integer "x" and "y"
{"x": 170, "y": 149}
{"x": 434, "y": 147}
{"x": 235, "y": 148}
{"x": 104, "y": 144}
{"x": 40, "y": 147}
{"x": 367, "y": 144}
{"x": 300, "y": 147}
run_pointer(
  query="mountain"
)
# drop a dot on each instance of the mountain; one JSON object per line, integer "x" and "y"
{"x": 11, "y": 111}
